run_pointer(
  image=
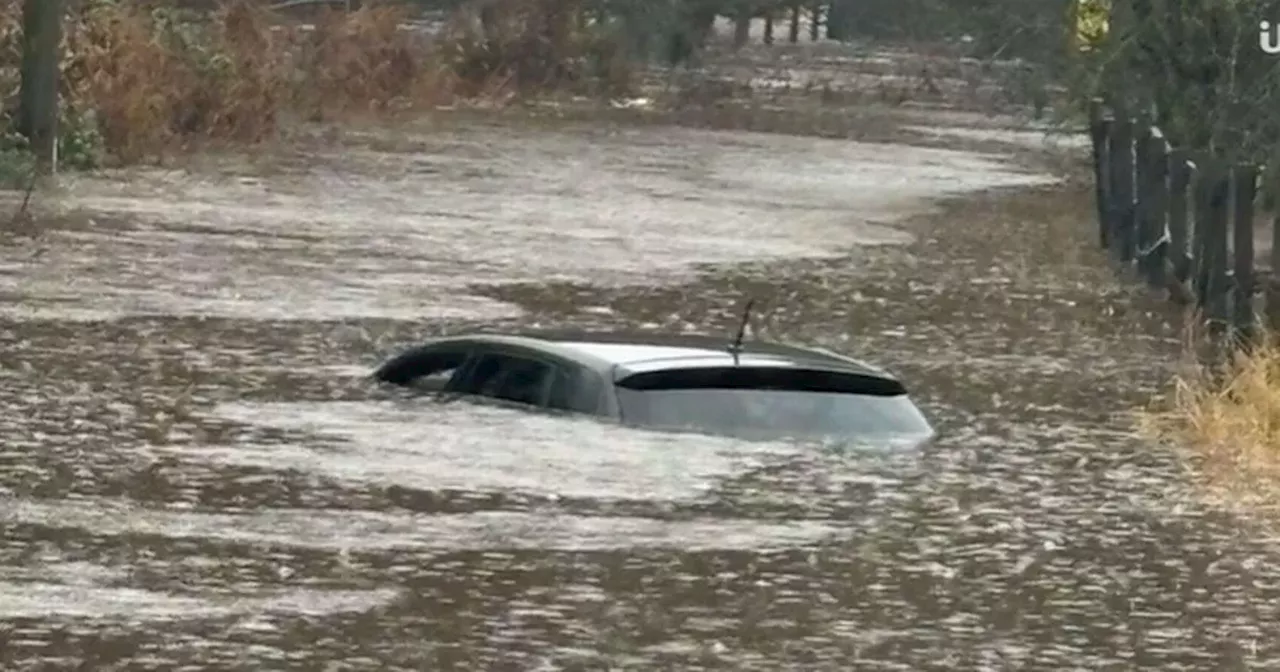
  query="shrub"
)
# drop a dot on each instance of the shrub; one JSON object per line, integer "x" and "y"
{"x": 128, "y": 80}
{"x": 154, "y": 80}
{"x": 1226, "y": 419}
{"x": 17, "y": 163}
{"x": 363, "y": 63}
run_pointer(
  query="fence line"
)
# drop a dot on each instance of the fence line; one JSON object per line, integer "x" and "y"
{"x": 1184, "y": 221}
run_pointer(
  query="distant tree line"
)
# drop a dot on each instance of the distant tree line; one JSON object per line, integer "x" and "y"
{"x": 1006, "y": 27}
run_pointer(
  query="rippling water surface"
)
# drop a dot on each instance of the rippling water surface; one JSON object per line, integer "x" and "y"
{"x": 195, "y": 475}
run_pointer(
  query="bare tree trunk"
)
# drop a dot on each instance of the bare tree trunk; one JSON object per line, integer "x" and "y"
{"x": 38, "y": 94}
{"x": 741, "y": 29}
{"x": 489, "y": 25}
{"x": 704, "y": 23}
{"x": 695, "y": 24}
{"x": 768, "y": 27}
{"x": 837, "y": 19}
{"x": 815, "y": 20}
{"x": 557, "y": 26}
{"x": 793, "y": 35}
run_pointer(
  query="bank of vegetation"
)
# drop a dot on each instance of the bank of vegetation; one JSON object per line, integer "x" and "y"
{"x": 1198, "y": 72}
{"x": 1224, "y": 420}
{"x": 140, "y": 81}
{"x": 144, "y": 78}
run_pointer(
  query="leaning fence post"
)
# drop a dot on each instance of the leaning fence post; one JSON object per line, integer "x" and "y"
{"x": 1273, "y": 284}
{"x": 1215, "y": 246}
{"x": 1153, "y": 241}
{"x": 1245, "y": 181}
{"x": 1120, "y": 151}
{"x": 1179, "y": 180}
{"x": 1141, "y": 190}
{"x": 1099, "y": 132}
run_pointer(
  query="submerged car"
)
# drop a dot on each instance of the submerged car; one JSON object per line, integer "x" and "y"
{"x": 699, "y": 383}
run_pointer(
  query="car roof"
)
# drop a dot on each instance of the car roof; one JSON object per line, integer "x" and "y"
{"x": 626, "y": 353}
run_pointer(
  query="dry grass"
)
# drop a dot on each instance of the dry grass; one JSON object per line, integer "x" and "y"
{"x": 1225, "y": 418}
{"x": 363, "y": 64}
{"x": 155, "y": 80}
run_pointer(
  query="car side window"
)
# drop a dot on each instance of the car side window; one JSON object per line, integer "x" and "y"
{"x": 508, "y": 377}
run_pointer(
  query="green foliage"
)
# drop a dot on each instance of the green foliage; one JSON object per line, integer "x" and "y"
{"x": 1198, "y": 69}
{"x": 80, "y": 142}
{"x": 1195, "y": 67}
{"x": 80, "y": 147}
{"x": 184, "y": 31}
{"x": 17, "y": 163}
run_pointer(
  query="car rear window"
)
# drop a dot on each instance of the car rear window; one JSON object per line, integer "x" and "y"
{"x": 763, "y": 378}
{"x": 754, "y": 402}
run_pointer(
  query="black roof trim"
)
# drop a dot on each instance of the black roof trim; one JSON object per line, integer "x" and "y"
{"x": 790, "y": 379}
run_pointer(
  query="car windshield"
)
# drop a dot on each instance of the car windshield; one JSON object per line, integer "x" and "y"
{"x": 769, "y": 404}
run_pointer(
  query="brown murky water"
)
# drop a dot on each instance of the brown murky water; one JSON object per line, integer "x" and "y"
{"x": 194, "y": 475}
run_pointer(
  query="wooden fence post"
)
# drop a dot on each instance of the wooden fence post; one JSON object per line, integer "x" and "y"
{"x": 1141, "y": 176}
{"x": 1273, "y": 286}
{"x": 1154, "y": 197}
{"x": 1215, "y": 245}
{"x": 1120, "y": 151}
{"x": 38, "y": 95}
{"x": 1179, "y": 181}
{"x": 1245, "y": 182}
{"x": 1100, "y": 133}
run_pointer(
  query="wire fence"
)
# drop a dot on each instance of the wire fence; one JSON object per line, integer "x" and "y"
{"x": 1185, "y": 221}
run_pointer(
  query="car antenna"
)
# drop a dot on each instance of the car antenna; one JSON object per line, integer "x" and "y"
{"x": 736, "y": 347}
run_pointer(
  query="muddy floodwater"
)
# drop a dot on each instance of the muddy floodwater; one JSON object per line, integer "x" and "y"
{"x": 195, "y": 475}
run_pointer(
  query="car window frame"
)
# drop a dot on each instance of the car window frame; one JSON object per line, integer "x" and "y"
{"x": 430, "y": 350}
{"x": 587, "y": 387}
{"x": 572, "y": 373}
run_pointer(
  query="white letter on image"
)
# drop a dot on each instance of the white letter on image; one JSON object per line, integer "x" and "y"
{"x": 1268, "y": 39}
